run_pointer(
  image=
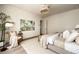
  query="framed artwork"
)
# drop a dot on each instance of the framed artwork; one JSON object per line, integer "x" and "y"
{"x": 27, "y": 25}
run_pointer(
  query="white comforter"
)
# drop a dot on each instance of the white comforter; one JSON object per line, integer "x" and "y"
{"x": 72, "y": 47}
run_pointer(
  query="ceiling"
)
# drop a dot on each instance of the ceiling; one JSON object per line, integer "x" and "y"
{"x": 53, "y": 8}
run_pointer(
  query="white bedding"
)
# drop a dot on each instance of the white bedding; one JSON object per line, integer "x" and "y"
{"x": 72, "y": 36}
{"x": 51, "y": 39}
{"x": 66, "y": 34}
{"x": 72, "y": 47}
{"x": 48, "y": 39}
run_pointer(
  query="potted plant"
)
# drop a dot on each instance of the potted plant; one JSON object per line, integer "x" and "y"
{"x": 3, "y": 18}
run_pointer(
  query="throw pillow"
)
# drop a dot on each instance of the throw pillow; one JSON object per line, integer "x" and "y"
{"x": 66, "y": 34}
{"x": 72, "y": 37}
{"x": 77, "y": 40}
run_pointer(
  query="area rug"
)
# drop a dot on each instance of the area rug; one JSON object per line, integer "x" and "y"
{"x": 17, "y": 50}
{"x": 32, "y": 46}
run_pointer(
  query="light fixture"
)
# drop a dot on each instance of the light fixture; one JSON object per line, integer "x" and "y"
{"x": 9, "y": 24}
{"x": 44, "y": 9}
{"x": 77, "y": 26}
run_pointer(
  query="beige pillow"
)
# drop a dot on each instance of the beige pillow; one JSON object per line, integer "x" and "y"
{"x": 77, "y": 40}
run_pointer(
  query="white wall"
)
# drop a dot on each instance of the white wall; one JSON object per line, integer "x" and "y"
{"x": 60, "y": 22}
{"x": 17, "y": 14}
{"x": 44, "y": 26}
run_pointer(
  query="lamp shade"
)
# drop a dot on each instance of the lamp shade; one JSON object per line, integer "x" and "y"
{"x": 77, "y": 26}
{"x": 44, "y": 10}
{"x": 9, "y": 25}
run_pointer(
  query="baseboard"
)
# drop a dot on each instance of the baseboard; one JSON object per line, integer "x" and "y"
{"x": 31, "y": 37}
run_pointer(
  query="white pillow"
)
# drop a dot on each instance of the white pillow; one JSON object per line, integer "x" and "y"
{"x": 66, "y": 34}
{"x": 52, "y": 38}
{"x": 72, "y": 36}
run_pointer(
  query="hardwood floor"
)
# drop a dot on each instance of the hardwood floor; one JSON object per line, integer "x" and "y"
{"x": 17, "y": 50}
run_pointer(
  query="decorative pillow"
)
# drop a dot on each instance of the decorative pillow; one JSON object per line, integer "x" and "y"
{"x": 72, "y": 37}
{"x": 77, "y": 40}
{"x": 66, "y": 34}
